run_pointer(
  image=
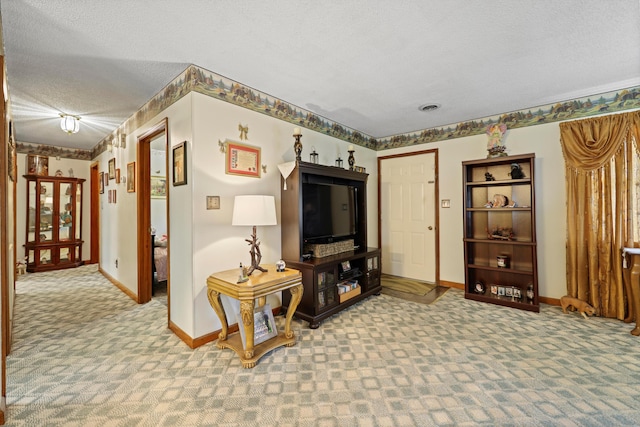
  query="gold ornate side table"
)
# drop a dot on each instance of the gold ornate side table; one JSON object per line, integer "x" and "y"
{"x": 257, "y": 288}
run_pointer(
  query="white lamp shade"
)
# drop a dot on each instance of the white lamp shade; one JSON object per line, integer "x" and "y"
{"x": 254, "y": 210}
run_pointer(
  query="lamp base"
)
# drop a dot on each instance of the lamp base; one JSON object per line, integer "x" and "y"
{"x": 256, "y": 256}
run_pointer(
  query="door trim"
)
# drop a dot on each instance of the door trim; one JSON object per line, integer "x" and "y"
{"x": 436, "y": 196}
{"x": 143, "y": 188}
{"x": 94, "y": 213}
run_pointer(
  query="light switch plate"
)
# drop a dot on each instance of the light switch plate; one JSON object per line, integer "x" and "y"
{"x": 213, "y": 202}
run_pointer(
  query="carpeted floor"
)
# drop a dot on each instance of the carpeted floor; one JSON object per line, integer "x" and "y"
{"x": 85, "y": 354}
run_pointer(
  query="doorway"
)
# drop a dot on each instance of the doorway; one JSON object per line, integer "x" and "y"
{"x": 156, "y": 136}
{"x": 408, "y": 226}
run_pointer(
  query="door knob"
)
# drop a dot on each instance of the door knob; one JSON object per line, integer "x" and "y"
{"x": 430, "y": 228}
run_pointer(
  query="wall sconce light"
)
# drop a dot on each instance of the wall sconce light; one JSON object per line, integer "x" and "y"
{"x": 69, "y": 123}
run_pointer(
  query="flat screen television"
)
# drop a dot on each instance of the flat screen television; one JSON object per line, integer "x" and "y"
{"x": 329, "y": 212}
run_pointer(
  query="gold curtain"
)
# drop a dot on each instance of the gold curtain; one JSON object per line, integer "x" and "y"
{"x": 598, "y": 156}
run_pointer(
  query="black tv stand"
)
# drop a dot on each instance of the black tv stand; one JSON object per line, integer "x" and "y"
{"x": 322, "y": 277}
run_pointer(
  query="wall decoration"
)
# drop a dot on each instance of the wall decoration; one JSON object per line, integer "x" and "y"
{"x": 158, "y": 187}
{"x": 242, "y": 160}
{"x": 112, "y": 168}
{"x": 37, "y": 165}
{"x": 131, "y": 177}
{"x": 101, "y": 182}
{"x": 244, "y": 132}
{"x": 105, "y": 178}
{"x": 180, "y": 164}
{"x": 118, "y": 176}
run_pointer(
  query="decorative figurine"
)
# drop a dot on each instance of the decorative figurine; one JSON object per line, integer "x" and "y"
{"x": 495, "y": 147}
{"x": 516, "y": 171}
{"x": 280, "y": 266}
{"x": 242, "y": 276}
{"x": 530, "y": 294}
{"x": 488, "y": 177}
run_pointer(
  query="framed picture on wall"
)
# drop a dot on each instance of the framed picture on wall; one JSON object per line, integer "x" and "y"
{"x": 118, "y": 176}
{"x": 112, "y": 168}
{"x": 101, "y": 183}
{"x": 105, "y": 176}
{"x": 131, "y": 177}
{"x": 158, "y": 187}
{"x": 37, "y": 165}
{"x": 180, "y": 164}
{"x": 242, "y": 160}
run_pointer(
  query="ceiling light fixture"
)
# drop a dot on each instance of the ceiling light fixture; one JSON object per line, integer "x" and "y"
{"x": 69, "y": 123}
{"x": 428, "y": 107}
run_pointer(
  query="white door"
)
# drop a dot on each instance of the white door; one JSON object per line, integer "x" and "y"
{"x": 407, "y": 209}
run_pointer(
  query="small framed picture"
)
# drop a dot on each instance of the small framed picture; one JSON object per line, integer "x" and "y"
{"x": 112, "y": 168}
{"x": 118, "y": 176}
{"x": 158, "y": 187}
{"x": 37, "y": 165}
{"x": 101, "y": 182}
{"x": 494, "y": 289}
{"x": 501, "y": 291}
{"x": 105, "y": 177}
{"x": 346, "y": 266}
{"x": 517, "y": 293}
{"x": 180, "y": 164}
{"x": 509, "y": 291}
{"x": 242, "y": 160}
{"x": 131, "y": 177}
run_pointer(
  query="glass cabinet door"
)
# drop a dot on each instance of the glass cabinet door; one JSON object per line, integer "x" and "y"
{"x": 66, "y": 209}
{"x": 32, "y": 213}
{"x": 46, "y": 211}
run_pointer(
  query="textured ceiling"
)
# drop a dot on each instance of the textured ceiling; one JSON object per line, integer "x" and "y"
{"x": 368, "y": 64}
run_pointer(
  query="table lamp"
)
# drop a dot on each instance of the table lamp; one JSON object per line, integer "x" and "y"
{"x": 254, "y": 210}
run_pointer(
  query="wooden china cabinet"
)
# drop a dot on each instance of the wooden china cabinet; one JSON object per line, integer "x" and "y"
{"x": 54, "y": 225}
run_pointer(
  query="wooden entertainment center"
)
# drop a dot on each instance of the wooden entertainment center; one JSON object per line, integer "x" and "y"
{"x": 326, "y": 277}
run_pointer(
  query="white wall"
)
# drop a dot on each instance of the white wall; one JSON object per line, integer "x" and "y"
{"x": 544, "y": 141}
{"x": 216, "y": 244}
{"x": 80, "y": 170}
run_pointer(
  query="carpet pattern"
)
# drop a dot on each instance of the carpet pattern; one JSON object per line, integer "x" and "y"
{"x": 84, "y": 354}
{"x": 403, "y": 284}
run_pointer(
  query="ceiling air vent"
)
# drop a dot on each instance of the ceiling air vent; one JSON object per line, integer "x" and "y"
{"x": 428, "y": 107}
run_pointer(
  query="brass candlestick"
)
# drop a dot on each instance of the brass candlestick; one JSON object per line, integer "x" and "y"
{"x": 297, "y": 147}
{"x": 352, "y": 160}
